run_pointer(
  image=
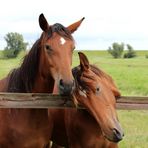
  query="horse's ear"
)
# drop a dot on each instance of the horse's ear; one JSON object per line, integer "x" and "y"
{"x": 43, "y": 22}
{"x": 73, "y": 27}
{"x": 84, "y": 63}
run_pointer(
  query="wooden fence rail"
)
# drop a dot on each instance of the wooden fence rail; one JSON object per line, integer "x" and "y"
{"x": 39, "y": 100}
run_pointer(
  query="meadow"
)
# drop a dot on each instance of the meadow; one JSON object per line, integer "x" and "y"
{"x": 131, "y": 77}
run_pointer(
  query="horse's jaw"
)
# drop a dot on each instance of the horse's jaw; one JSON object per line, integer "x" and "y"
{"x": 110, "y": 127}
{"x": 104, "y": 116}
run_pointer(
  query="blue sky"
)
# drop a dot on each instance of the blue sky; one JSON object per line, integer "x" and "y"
{"x": 107, "y": 21}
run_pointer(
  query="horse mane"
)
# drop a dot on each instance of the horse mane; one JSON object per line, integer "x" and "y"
{"x": 61, "y": 30}
{"x": 99, "y": 72}
{"x": 22, "y": 78}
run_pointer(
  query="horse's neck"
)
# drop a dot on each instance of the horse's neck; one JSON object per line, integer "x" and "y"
{"x": 43, "y": 85}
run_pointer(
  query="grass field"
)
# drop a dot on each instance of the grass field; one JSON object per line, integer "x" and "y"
{"x": 131, "y": 76}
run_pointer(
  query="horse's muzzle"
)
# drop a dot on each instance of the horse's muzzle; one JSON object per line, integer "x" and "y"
{"x": 117, "y": 135}
{"x": 66, "y": 88}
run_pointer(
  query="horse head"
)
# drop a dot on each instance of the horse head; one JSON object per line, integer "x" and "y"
{"x": 97, "y": 92}
{"x": 57, "y": 46}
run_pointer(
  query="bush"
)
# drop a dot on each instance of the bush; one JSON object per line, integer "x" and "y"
{"x": 130, "y": 53}
{"x": 9, "y": 53}
{"x": 1, "y": 54}
{"x": 116, "y": 50}
{"x": 146, "y": 56}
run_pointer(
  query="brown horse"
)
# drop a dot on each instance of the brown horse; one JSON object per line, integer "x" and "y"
{"x": 46, "y": 67}
{"x": 98, "y": 125}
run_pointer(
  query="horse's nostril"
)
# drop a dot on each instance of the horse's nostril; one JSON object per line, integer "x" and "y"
{"x": 66, "y": 88}
{"x": 61, "y": 83}
{"x": 118, "y": 135}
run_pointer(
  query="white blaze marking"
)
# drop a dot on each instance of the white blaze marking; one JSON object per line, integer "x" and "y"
{"x": 62, "y": 41}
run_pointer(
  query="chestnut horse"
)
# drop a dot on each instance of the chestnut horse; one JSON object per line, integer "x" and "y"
{"x": 46, "y": 67}
{"x": 98, "y": 125}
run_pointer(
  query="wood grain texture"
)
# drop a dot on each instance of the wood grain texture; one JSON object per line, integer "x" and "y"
{"x": 39, "y": 100}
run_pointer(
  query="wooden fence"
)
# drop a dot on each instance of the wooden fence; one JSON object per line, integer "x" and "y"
{"x": 38, "y": 100}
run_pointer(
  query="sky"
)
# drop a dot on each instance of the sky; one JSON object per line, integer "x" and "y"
{"x": 106, "y": 21}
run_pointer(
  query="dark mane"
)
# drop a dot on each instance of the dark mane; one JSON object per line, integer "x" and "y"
{"x": 22, "y": 78}
{"x": 61, "y": 30}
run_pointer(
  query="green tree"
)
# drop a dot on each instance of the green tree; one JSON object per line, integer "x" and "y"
{"x": 15, "y": 44}
{"x": 116, "y": 50}
{"x": 130, "y": 52}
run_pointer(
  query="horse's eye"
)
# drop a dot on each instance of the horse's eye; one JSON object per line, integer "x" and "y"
{"x": 97, "y": 89}
{"x": 48, "y": 47}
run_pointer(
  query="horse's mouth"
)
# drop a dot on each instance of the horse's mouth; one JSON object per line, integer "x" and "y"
{"x": 115, "y": 136}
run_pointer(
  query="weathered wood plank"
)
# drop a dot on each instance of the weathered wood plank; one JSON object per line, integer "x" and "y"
{"x": 39, "y": 100}
{"x": 133, "y": 106}
{"x": 133, "y": 103}
{"x": 31, "y": 100}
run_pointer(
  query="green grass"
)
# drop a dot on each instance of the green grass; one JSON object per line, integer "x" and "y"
{"x": 6, "y": 65}
{"x": 135, "y": 125}
{"x": 131, "y": 76}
